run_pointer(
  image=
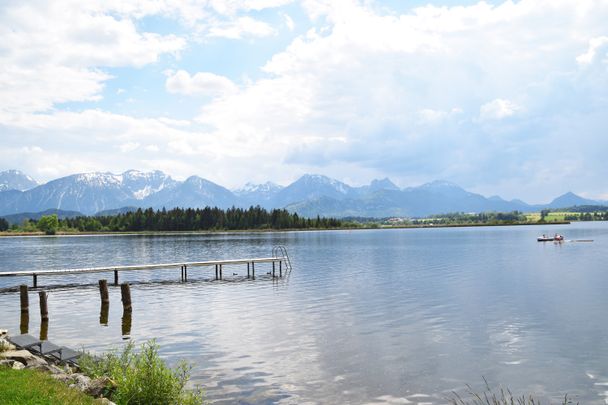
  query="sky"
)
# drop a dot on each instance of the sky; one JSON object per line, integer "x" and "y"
{"x": 503, "y": 98}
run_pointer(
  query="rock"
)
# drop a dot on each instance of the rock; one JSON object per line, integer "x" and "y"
{"x": 7, "y": 363}
{"x": 3, "y": 332}
{"x": 18, "y": 366}
{"x": 62, "y": 377}
{"x": 22, "y": 356}
{"x": 6, "y": 345}
{"x": 80, "y": 381}
{"x": 103, "y": 386}
{"x": 48, "y": 368}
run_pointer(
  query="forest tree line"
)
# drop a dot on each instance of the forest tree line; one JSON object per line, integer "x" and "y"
{"x": 180, "y": 219}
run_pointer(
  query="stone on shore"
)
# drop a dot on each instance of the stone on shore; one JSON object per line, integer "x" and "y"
{"x": 102, "y": 386}
{"x": 23, "y": 356}
{"x": 6, "y": 345}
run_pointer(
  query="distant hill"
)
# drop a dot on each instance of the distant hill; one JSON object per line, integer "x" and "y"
{"x": 310, "y": 195}
{"x": 570, "y": 200}
{"x": 19, "y": 218}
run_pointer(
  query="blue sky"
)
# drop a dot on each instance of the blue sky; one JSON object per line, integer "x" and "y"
{"x": 504, "y": 98}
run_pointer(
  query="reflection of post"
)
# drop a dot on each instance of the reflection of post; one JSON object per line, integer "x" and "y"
{"x": 44, "y": 329}
{"x": 126, "y": 324}
{"x": 44, "y": 316}
{"x": 125, "y": 293}
{"x": 25, "y": 302}
{"x": 127, "y": 309}
{"x": 25, "y": 309}
{"x": 103, "y": 316}
{"x": 25, "y": 323}
{"x": 44, "y": 310}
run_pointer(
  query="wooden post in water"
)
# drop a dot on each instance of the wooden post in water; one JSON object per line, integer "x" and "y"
{"x": 216, "y": 272}
{"x": 185, "y": 272}
{"x": 44, "y": 310}
{"x": 125, "y": 292}
{"x": 273, "y": 275}
{"x": 280, "y": 268}
{"x": 248, "y": 270}
{"x": 221, "y": 275}
{"x": 103, "y": 291}
{"x": 25, "y": 301}
{"x": 115, "y": 277}
{"x": 253, "y": 270}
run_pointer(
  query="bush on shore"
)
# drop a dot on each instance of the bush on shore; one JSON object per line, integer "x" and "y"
{"x": 142, "y": 377}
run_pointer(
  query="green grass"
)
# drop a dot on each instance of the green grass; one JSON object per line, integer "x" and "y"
{"x": 29, "y": 387}
{"x": 552, "y": 217}
{"x": 499, "y": 396}
{"x": 142, "y": 377}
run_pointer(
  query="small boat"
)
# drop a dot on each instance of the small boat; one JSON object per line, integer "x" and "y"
{"x": 556, "y": 238}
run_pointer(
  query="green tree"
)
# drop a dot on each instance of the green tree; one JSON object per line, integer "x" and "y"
{"x": 48, "y": 224}
{"x": 3, "y": 224}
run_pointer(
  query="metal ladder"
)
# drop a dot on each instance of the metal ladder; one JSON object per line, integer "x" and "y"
{"x": 280, "y": 251}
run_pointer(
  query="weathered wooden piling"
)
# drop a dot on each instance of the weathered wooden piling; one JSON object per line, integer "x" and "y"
{"x": 44, "y": 310}
{"x": 253, "y": 270}
{"x": 273, "y": 274}
{"x": 185, "y": 272}
{"x": 103, "y": 291}
{"x": 125, "y": 292}
{"x": 25, "y": 301}
{"x": 116, "y": 277}
{"x": 248, "y": 271}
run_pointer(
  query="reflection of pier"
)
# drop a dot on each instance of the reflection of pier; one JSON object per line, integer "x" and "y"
{"x": 279, "y": 256}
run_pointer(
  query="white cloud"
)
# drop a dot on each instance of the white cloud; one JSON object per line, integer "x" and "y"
{"x": 240, "y": 28}
{"x": 289, "y": 22}
{"x": 597, "y": 51}
{"x": 497, "y": 109}
{"x": 201, "y": 83}
{"x": 53, "y": 52}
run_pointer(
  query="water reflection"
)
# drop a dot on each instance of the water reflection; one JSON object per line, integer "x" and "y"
{"x": 24, "y": 323}
{"x": 44, "y": 329}
{"x": 104, "y": 313}
{"x": 126, "y": 324}
{"x": 373, "y": 316}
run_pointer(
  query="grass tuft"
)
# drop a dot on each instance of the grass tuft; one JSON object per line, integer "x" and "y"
{"x": 142, "y": 377}
{"x": 501, "y": 396}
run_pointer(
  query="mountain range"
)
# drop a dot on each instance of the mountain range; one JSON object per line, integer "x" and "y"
{"x": 310, "y": 195}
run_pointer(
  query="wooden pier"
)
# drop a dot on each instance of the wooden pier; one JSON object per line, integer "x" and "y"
{"x": 279, "y": 257}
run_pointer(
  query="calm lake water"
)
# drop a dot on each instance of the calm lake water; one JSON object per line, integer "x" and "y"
{"x": 378, "y": 316}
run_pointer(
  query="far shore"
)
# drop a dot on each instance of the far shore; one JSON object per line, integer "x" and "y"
{"x": 240, "y": 231}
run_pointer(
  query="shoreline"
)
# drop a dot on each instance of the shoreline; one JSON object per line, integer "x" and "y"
{"x": 241, "y": 231}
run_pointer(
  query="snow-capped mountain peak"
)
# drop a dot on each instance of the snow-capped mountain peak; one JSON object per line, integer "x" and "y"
{"x": 16, "y": 180}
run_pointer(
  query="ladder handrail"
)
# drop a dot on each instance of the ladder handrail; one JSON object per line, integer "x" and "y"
{"x": 280, "y": 251}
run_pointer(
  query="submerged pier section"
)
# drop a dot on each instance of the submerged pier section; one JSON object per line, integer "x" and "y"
{"x": 279, "y": 260}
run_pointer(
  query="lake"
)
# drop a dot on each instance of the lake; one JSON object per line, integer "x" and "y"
{"x": 371, "y": 316}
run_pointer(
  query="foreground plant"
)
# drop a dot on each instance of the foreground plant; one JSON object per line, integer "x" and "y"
{"x": 502, "y": 397}
{"x": 142, "y": 377}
